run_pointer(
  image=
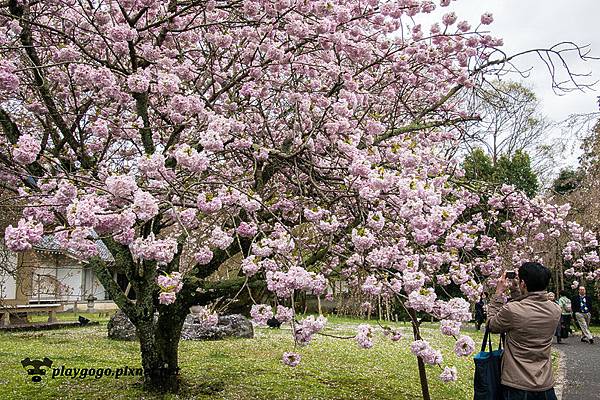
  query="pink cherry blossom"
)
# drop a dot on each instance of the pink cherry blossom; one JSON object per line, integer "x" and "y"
{"x": 208, "y": 203}
{"x": 170, "y": 282}
{"x": 250, "y": 265}
{"x": 207, "y": 317}
{"x": 284, "y": 314}
{"x": 464, "y": 346}
{"x": 121, "y": 185}
{"x": 9, "y": 81}
{"x": 261, "y": 313}
{"x": 422, "y": 348}
{"x": 138, "y": 83}
{"x": 220, "y": 238}
{"x": 307, "y": 328}
{"x": 449, "y": 374}
{"x": 167, "y": 298}
{"x": 203, "y": 256}
{"x": 145, "y": 205}
{"x": 291, "y": 359}
{"x": 487, "y": 18}
{"x": 22, "y": 237}
{"x": 449, "y": 18}
{"x": 150, "y": 248}
{"x": 364, "y": 336}
{"x": 189, "y": 158}
{"x": 27, "y": 149}
{"x": 449, "y": 327}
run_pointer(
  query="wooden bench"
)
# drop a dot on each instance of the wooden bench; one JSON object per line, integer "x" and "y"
{"x": 7, "y": 310}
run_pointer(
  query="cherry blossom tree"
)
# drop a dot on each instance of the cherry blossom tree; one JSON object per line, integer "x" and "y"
{"x": 306, "y": 137}
{"x": 579, "y": 189}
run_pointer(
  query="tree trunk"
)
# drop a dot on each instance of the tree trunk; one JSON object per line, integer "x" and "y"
{"x": 319, "y": 304}
{"x": 420, "y": 363}
{"x": 158, "y": 326}
{"x": 159, "y": 341}
{"x": 560, "y": 274}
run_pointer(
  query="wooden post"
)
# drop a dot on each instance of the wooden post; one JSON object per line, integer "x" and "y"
{"x": 24, "y": 278}
{"x": 5, "y": 318}
{"x": 52, "y": 316}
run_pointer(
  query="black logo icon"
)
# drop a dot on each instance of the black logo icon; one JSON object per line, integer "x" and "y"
{"x": 34, "y": 367}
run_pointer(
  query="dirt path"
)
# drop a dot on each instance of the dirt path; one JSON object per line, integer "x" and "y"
{"x": 582, "y": 369}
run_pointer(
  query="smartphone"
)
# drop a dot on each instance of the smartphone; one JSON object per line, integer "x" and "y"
{"x": 511, "y": 274}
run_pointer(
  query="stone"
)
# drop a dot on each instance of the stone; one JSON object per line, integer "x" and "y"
{"x": 121, "y": 328}
{"x": 234, "y": 325}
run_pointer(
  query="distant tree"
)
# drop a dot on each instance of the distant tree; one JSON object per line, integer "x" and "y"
{"x": 567, "y": 181}
{"x": 518, "y": 171}
{"x": 581, "y": 188}
{"x": 513, "y": 170}
{"x": 590, "y": 159}
{"x": 479, "y": 166}
{"x": 511, "y": 121}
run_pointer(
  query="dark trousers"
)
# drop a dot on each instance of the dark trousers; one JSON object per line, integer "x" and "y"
{"x": 566, "y": 319}
{"x": 518, "y": 394}
{"x": 478, "y": 322}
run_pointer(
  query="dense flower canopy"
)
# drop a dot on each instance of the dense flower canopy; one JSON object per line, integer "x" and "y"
{"x": 309, "y": 135}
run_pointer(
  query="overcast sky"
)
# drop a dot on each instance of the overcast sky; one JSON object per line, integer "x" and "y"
{"x": 527, "y": 24}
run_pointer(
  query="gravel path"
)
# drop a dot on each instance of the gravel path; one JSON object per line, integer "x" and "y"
{"x": 582, "y": 369}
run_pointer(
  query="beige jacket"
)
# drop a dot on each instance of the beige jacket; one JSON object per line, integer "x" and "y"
{"x": 529, "y": 322}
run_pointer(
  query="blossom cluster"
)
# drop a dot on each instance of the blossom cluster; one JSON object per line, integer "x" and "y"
{"x": 283, "y": 284}
{"x": 27, "y": 149}
{"x": 207, "y": 317}
{"x": 291, "y": 359}
{"x": 170, "y": 285}
{"x": 160, "y": 250}
{"x": 464, "y": 346}
{"x": 261, "y": 313}
{"x": 364, "y": 336}
{"x": 307, "y": 328}
{"x": 423, "y": 349}
{"x": 22, "y": 237}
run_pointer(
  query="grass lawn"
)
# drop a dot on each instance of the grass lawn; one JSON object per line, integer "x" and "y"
{"x": 595, "y": 330}
{"x": 236, "y": 368}
{"x": 233, "y": 369}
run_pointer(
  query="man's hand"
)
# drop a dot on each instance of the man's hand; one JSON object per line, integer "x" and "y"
{"x": 506, "y": 283}
{"x": 501, "y": 284}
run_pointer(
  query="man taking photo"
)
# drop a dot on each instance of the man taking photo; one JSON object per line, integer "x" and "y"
{"x": 582, "y": 308}
{"x": 529, "y": 321}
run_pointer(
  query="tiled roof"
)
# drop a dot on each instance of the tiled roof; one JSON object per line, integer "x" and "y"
{"x": 49, "y": 243}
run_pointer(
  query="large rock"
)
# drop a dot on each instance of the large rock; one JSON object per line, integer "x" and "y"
{"x": 121, "y": 328}
{"x": 235, "y": 325}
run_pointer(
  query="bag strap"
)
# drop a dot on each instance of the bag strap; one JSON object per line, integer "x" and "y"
{"x": 487, "y": 338}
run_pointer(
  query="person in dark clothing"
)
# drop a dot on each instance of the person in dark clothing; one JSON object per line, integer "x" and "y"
{"x": 565, "y": 305}
{"x": 582, "y": 308}
{"x": 480, "y": 314}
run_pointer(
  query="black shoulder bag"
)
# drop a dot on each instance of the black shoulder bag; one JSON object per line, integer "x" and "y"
{"x": 488, "y": 368}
